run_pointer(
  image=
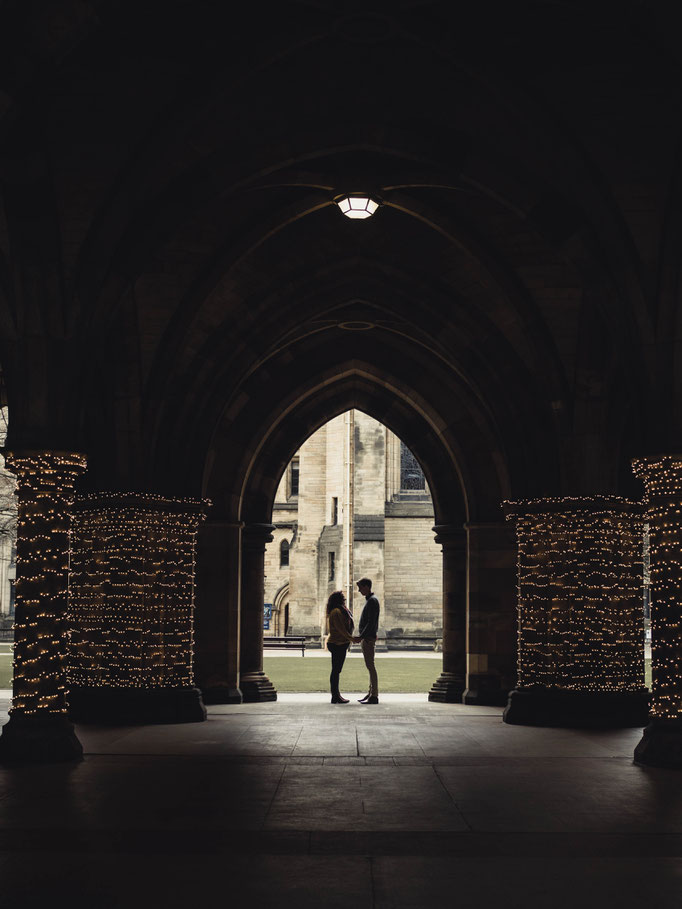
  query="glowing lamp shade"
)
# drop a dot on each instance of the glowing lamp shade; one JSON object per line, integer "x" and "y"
{"x": 357, "y": 206}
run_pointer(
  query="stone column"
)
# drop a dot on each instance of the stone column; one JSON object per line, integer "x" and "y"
{"x": 580, "y": 613}
{"x": 131, "y": 609}
{"x": 254, "y": 684}
{"x": 39, "y": 728}
{"x": 491, "y": 630}
{"x": 450, "y": 685}
{"x": 661, "y": 744}
{"x": 217, "y": 612}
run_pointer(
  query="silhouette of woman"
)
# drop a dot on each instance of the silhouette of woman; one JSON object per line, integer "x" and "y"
{"x": 340, "y": 627}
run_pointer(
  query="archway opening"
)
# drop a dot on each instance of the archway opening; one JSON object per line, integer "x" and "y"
{"x": 353, "y": 502}
{"x": 464, "y": 466}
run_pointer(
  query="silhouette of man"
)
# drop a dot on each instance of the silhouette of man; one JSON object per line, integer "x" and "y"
{"x": 369, "y": 626}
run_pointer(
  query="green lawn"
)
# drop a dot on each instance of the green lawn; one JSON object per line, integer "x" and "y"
{"x": 5, "y": 665}
{"x": 312, "y": 674}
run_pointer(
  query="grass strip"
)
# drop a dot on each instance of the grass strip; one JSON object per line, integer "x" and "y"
{"x": 302, "y": 674}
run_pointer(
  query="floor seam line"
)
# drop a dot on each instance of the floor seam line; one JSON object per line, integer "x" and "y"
{"x": 272, "y": 800}
{"x": 449, "y": 795}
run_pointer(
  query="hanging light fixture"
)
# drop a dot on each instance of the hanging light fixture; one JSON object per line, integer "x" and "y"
{"x": 357, "y": 205}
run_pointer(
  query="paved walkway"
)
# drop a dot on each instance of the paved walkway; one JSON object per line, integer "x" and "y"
{"x": 304, "y": 804}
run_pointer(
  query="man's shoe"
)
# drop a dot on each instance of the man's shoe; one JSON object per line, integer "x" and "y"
{"x": 340, "y": 700}
{"x": 370, "y": 701}
{"x": 363, "y": 700}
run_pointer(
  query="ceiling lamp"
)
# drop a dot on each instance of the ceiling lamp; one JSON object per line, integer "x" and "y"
{"x": 357, "y": 206}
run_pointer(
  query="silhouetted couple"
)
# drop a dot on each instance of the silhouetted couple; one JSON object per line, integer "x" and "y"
{"x": 340, "y": 626}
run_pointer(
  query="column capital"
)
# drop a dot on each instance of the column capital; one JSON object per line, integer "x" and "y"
{"x": 450, "y": 535}
{"x": 257, "y": 536}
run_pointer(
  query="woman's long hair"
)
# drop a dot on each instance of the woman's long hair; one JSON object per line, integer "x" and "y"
{"x": 336, "y": 601}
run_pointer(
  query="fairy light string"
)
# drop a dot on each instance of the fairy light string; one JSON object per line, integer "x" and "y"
{"x": 662, "y": 478}
{"x": 131, "y": 591}
{"x": 45, "y": 491}
{"x": 580, "y": 586}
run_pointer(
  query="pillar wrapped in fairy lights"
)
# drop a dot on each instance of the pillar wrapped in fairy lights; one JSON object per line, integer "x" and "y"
{"x": 39, "y": 728}
{"x": 661, "y": 744}
{"x": 580, "y": 612}
{"x": 131, "y": 609}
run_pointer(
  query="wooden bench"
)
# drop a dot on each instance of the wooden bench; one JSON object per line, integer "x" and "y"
{"x": 272, "y": 642}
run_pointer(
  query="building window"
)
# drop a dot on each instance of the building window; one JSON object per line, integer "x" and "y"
{"x": 293, "y": 478}
{"x": 284, "y": 554}
{"x": 332, "y": 566}
{"x": 335, "y": 510}
{"x": 412, "y": 477}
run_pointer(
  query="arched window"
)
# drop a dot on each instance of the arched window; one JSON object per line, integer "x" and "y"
{"x": 284, "y": 554}
{"x": 412, "y": 477}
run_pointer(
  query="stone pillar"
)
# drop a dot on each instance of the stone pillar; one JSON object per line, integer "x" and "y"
{"x": 661, "y": 744}
{"x": 39, "y": 728}
{"x": 580, "y": 613}
{"x": 217, "y": 612}
{"x": 255, "y": 685}
{"x": 450, "y": 685}
{"x": 131, "y": 609}
{"x": 491, "y": 629}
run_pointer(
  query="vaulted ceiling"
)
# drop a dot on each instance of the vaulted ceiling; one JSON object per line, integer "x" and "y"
{"x": 174, "y": 272}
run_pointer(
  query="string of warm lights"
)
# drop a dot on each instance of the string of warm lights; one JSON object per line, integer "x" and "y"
{"x": 45, "y": 490}
{"x": 662, "y": 477}
{"x": 580, "y": 583}
{"x": 131, "y": 591}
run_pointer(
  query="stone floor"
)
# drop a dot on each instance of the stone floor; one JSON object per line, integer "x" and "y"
{"x": 301, "y": 803}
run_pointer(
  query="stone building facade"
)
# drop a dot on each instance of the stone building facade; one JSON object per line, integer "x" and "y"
{"x": 354, "y": 502}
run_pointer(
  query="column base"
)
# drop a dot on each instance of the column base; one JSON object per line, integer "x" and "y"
{"x": 39, "y": 739}
{"x": 661, "y": 744}
{"x": 577, "y": 709}
{"x": 136, "y": 706}
{"x": 256, "y": 687}
{"x": 448, "y": 688}
{"x": 485, "y": 691}
{"x": 221, "y": 695}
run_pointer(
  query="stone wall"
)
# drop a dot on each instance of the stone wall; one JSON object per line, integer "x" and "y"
{"x": 413, "y": 585}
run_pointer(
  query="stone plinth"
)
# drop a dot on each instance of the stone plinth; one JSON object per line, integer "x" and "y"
{"x": 577, "y": 709}
{"x": 661, "y": 744}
